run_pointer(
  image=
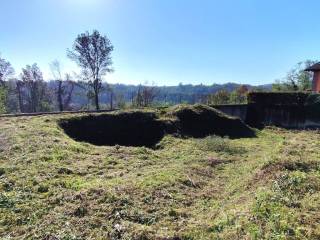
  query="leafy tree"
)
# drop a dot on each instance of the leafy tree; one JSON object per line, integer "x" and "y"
{"x": 6, "y": 71}
{"x": 220, "y": 97}
{"x": 296, "y": 79}
{"x": 34, "y": 90}
{"x": 92, "y": 52}
{"x": 3, "y": 99}
{"x": 239, "y": 95}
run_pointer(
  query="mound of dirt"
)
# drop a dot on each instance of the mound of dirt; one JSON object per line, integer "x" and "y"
{"x": 200, "y": 121}
{"x": 126, "y": 129}
{"x": 147, "y": 128}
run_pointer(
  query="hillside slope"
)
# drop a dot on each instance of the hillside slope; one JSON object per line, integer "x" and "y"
{"x": 52, "y": 187}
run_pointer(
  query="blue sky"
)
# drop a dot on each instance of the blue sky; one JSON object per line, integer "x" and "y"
{"x": 168, "y": 41}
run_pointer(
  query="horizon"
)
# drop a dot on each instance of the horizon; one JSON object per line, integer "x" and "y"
{"x": 207, "y": 42}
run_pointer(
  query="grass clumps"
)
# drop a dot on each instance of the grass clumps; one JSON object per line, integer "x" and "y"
{"x": 219, "y": 144}
{"x": 266, "y": 187}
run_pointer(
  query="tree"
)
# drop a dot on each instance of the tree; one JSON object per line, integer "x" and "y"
{"x": 145, "y": 96}
{"x": 111, "y": 96}
{"x": 297, "y": 79}
{"x": 3, "y": 98}
{"x": 19, "y": 90}
{"x": 6, "y": 71}
{"x": 220, "y": 97}
{"x": 64, "y": 87}
{"x": 92, "y": 52}
{"x": 121, "y": 103}
{"x": 239, "y": 95}
{"x": 35, "y": 89}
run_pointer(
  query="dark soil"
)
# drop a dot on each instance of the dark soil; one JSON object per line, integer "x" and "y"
{"x": 125, "y": 129}
{"x": 141, "y": 128}
{"x": 200, "y": 121}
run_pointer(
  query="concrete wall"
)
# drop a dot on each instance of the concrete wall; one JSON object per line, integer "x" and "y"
{"x": 278, "y": 115}
{"x": 235, "y": 110}
{"x": 284, "y": 116}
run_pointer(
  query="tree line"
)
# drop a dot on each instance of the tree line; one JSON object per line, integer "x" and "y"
{"x": 92, "y": 53}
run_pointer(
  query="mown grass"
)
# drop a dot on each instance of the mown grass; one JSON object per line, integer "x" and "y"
{"x": 52, "y": 187}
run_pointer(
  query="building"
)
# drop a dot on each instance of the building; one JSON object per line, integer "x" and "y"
{"x": 316, "y": 77}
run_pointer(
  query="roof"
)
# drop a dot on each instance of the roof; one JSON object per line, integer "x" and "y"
{"x": 314, "y": 68}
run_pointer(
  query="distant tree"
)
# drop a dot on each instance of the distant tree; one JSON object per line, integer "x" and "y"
{"x": 111, "y": 96}
{"x": 92, "y": 52}
{"x": 145, "y": 96}
{"x": 121, "y": 103}
{"x": 220, "y": 97}
{"x": 35, "y": 89}
{"x": 296, "y": 79}
{"x": 19, "y": 91}
{"x": 6, "y": 71}
{"x": 3, "y": 99}
{"x": 239, "y": 95}
{"x": 64, "y": 87}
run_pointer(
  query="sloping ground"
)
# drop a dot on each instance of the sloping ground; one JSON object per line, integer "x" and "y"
{"x": 52, "y": 187}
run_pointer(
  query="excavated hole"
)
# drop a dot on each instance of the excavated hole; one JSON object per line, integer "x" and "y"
{"x": 125, "y": 129}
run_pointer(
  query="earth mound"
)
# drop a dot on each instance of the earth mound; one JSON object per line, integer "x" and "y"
{"x": 147, "y": 128}
{"x": 200, "y": 121}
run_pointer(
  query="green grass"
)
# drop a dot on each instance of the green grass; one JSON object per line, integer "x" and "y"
{"x": 52, "y": 187}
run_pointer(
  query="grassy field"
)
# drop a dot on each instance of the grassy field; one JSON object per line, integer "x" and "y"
{"x": 52, "y": 187}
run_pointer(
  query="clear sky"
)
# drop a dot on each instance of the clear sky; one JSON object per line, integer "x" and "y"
{"x": 168, "y": 41}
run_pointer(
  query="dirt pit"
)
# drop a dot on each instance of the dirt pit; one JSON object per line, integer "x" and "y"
{"x": 143, "y": 128}
{"x": 126, "y": 129}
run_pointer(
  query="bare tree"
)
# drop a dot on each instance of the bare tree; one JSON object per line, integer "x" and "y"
{"x": 145, "y": 95}
{"x": 92, "y": 52}
{"x": 64, "y": 88}
{"x": 111, "y": 96}
{"x": 19, "y": 91}
{"x": 68, "y": 91}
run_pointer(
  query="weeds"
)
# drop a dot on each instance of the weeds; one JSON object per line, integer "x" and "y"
{"x": 52, "y": 187}
{"x": 219, "y": 144}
